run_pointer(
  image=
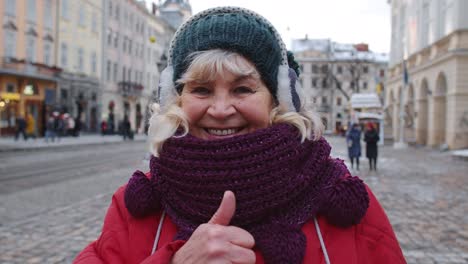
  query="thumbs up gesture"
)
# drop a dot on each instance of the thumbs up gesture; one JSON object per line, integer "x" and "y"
{"x": 217, "y": 241}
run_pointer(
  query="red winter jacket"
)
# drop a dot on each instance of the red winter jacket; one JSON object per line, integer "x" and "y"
{"x": 125, "y": 239}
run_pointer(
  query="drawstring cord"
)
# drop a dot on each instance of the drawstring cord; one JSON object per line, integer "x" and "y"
{"x": 322, "y": 244}
{"x": 158, "y": 233}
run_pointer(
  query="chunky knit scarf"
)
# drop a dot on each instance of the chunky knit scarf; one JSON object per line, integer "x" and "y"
{"x": 279, "y": 184}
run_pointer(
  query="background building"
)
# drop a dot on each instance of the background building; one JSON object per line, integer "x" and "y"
{"x": 331, "y": 72}
{"x": 28, "y": 80}
{"x": 78, "y": 52}
{"x": 428, "y": 68}
{"x": 135, "y": 44}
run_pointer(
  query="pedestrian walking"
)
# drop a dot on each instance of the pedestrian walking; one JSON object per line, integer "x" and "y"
{"x": 353, "y": 139}
{"x": 21, "y": 128}
{"x": 50, "y": 133}
{"x": 30, "y": 126}
{"x": 126, "y": 128}
{"x": 69, "y": 124}
{"x": 371, "y": 137}
{"x": 239, "y": 172}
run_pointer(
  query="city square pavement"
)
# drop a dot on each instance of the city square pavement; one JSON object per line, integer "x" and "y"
{"x": 423, "y": 191}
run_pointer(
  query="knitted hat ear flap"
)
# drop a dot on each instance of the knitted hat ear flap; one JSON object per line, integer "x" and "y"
{"x": 284, "y": 89}
{"x": 166, "y": 90}
{"x": 289, "y": 89}
{"x": 297, "y": 93}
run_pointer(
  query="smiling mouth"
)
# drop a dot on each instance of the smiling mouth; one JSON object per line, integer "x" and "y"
{"x": 222, "y": 132}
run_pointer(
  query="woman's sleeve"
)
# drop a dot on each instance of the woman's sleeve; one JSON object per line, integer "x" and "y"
{"x": 377, "y": 242}
{"x": 113, "y": 245}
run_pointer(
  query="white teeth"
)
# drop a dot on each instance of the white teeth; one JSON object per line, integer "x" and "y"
{"x": 222, "y": 132}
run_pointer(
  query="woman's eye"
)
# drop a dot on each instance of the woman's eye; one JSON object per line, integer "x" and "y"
{"x": 200, "y": 91}
{"x": 243, "y": 90}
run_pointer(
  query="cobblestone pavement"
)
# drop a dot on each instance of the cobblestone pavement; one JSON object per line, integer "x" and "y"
{"x": 424, "y": 193}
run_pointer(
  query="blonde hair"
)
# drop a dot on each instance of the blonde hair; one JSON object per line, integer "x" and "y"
{"x": 208, "y": 65}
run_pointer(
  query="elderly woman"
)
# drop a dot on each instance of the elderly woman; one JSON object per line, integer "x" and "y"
{"x": 240, "y": 172}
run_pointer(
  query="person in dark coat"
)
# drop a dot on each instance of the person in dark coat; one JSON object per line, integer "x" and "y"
{"x": 371, "y": 137}
{"x": 126, "y": 128}
{"x": 21, "y": 128}
{"x": 353, "y": 139}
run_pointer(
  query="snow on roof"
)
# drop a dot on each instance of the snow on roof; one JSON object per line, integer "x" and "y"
{"x": 368, "y": 100}
{"x": 337, "y": 51}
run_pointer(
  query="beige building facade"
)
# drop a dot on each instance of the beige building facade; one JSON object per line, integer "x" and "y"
{"x": 28, "y": 82}
{"x": 430, "y": 40}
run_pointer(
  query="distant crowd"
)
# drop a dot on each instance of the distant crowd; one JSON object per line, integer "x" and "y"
{"x": 57, "y": 125}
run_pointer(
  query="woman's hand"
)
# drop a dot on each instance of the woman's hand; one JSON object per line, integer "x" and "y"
{"x": 217, "y": 241}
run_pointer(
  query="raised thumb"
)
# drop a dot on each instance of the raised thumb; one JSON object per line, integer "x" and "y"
{"x": 225, "y": 211}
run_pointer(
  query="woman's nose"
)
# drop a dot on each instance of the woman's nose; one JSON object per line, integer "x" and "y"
{"x": 221, "y": 107}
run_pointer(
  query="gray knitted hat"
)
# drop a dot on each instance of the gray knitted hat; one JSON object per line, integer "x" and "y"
{"x": 238, "y": 30}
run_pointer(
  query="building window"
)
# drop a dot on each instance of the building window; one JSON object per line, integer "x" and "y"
{"x": 10, "y": 7}
{"x": 425, "y": 24}
{"x": 94, "y": 23}
{"x": 64, "y": 9}
{"x": 94, "y": 62}
{"x": 338, "y": 101}
{"x": 148, "y": 80}
{"x": 47, "y": 53}
{"x": 324, "y": 100}
{"x": 124, "y": 44}
{"x": 129, "y": 75}
{"x": 364, "y": 85}
{"x": 365, "y": 69}
{"x": 82, "y": 16}
{"x": 117, "y": 12}
{"x": 130, "y": 46}
{"x": 108, "y": 70}
{"x": 324, "y": 83}
{"x": 148, "y": 53}
{"x": 31, "y": 7}
{"x": 339, "y": 70}
{"x": 314, "y": 69}
{"x": 324, "y": 69}
{"x": 10, "y": 88}
{"x": 80, "y": 60}
{"x": 31, "y": 48}
{"x": 10, "y": 43}
{"x": 314, "y": 100}
{"x": 63, "y": 94}
{"x": 109, "y": 37}
{"x": 110, "y": 9}
{"x": 116, "y": 40}
{"x": 382, "y": 73}
{"x": 124, "y": 71}
{"x": 48, "y": 16}
{"x": 114, "y": 76}
{"x": 63, "y": 57}
{"x": 314, "y": 82}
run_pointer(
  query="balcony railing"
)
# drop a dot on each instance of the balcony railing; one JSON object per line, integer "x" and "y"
{"x": 130, "y": 89}
{"x": 23, "y": 67}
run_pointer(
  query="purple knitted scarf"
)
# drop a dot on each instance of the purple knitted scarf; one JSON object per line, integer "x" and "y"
{"x": 279, "y": 183}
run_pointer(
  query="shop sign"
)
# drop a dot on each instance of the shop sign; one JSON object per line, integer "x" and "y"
{"x": 10, "y": 96}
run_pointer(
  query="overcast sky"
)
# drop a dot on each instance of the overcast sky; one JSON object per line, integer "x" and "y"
{"x": 344, "y": 21}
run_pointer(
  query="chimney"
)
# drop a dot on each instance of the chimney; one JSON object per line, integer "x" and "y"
{"x": 361, "y": 47}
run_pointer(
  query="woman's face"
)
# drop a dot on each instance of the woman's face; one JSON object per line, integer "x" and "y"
{"x": 228, "y": 106}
